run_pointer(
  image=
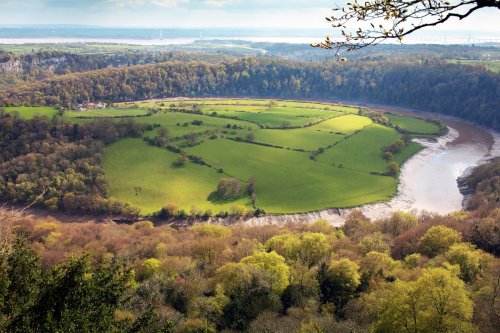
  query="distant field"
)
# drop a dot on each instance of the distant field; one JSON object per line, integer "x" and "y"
{"x": 493, "y": 66}
{"x": 414, "y": 125}
{"x": 28, "y": 112}
{"x": 330, "y": 160}
{"x": 182, "y": 123}
{"x": 297, "y": 138}
{"x": 362, "y": 151}
{"x": 78, "y": 48}
{"x": 345, "y": 125}
{"x": 112, "y": 112}
{"x": 310, "y": 138}
{"x": 228, "y": 103}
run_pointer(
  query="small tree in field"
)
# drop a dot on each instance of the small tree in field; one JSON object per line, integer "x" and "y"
{"x": 250, "y": 137}
{"x": 180, "y": 161}
{"x": 251, "y": 185}
{"x": 393, "y": 168}
{"x": 229, "y": 189}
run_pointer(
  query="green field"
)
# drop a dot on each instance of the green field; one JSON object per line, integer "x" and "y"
{"x": 95, "y": 113}
{"x": 236, "y": 103}
{"x": 321, "y": 135}
{"x": 181, "y": 123}
{"x": 332, "y": 159}
{"x": 297, "y": 138}
{"x": 493, "y": 65}
{"x": 413, "y": 125}
{"x": 28, "y": 112}
{"x": 345, "y": 125}
{"x": 362, "y": 151}
{"x": 288, "y": 181}
{"x": 144, "y": 175}
{"x": 265, "y": 113}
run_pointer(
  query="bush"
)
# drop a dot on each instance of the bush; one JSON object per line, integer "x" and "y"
{"x": 229, "y": 189}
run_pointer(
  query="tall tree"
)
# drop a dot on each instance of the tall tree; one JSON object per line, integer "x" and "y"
{"x": 436, "y": 302}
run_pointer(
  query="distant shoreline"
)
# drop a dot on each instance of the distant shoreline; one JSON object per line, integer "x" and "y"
{"x": 182, "y": 40}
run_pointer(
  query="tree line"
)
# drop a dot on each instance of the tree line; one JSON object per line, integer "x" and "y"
{"x": 467, "y": 92}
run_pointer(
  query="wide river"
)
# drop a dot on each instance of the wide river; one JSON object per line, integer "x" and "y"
{"x": 428, "y": 181}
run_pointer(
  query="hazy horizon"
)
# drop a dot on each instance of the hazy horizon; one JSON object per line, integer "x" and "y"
{"x": 55, "y": 34}
{"x": 292, "y": 14}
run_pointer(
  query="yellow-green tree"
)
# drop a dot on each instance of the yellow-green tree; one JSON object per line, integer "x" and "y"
{"x": 436, "y": 302}
{"x": 372, "y": 243}
{"x": 253, "y": 285}
{"x": 286, "y": 245}
{"x": 150, "y": 267}
{"x": 273, "y": 264}
{"x": 314, "y": 247}
{"x": 467, "y": 257}
{"x": 397, "y": 223}
{"x": 437, "y": 240}
{"x": 339, "y": 282}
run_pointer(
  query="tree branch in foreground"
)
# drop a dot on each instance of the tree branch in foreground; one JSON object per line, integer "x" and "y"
{"x": 380, "y": 20}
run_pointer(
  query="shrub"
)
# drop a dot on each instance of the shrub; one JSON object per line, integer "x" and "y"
{"x": 229, "y": 189}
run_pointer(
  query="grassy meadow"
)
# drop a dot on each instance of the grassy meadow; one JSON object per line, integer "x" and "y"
{"x": 289, "y": 181}
{"x": 96, "y": 113}
{"x": 303, "y": 156}
{"x": 492, "y": 65}
{"x": 413, "y": 125}
{"x": 145, "y": 176}
{"x": 28, "y": 112}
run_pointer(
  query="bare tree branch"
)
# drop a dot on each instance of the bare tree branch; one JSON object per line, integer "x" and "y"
{"x": 15, "y": 213}
{"x": 6, "y": 223}
{"x": 393, "y": 19}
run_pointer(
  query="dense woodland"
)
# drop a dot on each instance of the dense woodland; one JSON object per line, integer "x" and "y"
{"x": 17, "y": 69}
{"x": 58, "y": 164}
{"x": 464, "y": 91}
{"x": 405, "y": 273}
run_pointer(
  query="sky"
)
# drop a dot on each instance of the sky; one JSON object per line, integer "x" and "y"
{"x": 197, "y": 13}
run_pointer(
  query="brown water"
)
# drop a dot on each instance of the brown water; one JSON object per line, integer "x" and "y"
{"x": 429, "y": 180}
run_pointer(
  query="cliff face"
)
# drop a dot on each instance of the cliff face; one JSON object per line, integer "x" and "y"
{"x": 18, "y": 65}
{"x": 14, "y": 66}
